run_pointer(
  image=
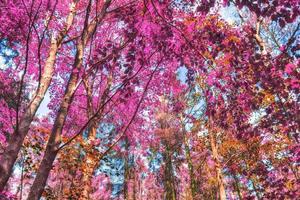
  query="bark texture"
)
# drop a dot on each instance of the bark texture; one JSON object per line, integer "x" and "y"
{"x": 92, "y": 159}
{"x": 169, "y": 181}
{"x": 54, "y": 141}
{"x": 15, "y": 142}
{"x": 218, "y": 168}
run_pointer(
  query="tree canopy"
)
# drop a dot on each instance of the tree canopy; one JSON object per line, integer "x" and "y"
{"x": 149, "y": 99}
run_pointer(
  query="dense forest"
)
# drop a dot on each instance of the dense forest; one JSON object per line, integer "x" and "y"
{"x": 149, "y": 99}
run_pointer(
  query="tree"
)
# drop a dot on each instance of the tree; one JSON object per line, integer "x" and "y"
{"x": 205, "y": 103}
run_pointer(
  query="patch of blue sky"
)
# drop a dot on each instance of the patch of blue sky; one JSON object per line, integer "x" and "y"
{"x": 113, "y": 167}
{"x": 256, "y": 116}
{"x": 6, "y": 55}
{"x": 155, "y": 160}
{"x": 230, "y": 14}
{"x": 43, "y": 110}
{"x": 182, "y": 74}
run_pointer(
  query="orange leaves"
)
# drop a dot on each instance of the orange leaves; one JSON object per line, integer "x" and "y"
{"x": 221, "y": 24}
{"x": 231, "y": 146}
{"x": 201, "y": 81}
{"x": 265, "y": 98}
{"x": 234, "y": 39}
{"x": 224, "y": 60}
{"x": 207, "y": 55}
{"x": 208, "y": 21}
{"x": 189, "y": 20}
{"x": 289, "y": 185}
{"x": 90, "y": 161}
{"x": 268, "y": 98}
{"x": 43, "y": 130}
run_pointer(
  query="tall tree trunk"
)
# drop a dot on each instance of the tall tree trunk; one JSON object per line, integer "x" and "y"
{"x": 55, "y": 140}
{"x": 169, "y": 182}
{"x": 15, "y": 142}
{"x": 237, "y": 187}
{"x": 218, "y": 168}
{"x": 190, "y": 165}
{"x": 129, "y": 184}
{"x": 129, "y": 176}
{"x": 257, "y": 194}
{"x": 126, "y": 171}
{"x": 90, "y": 160}
{"x": 193, "y": 185}
{"x": 134, "y": 185}
{"x": 88, "y": 168}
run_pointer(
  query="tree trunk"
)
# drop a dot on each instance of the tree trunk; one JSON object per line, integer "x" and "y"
{"x": 190, "y": 166}
{"x": 255, "y": 189}
{"x": 88, "y": 168}
{"x": 40, "y": 181}
{"x": 126, "y": 172}
{"x": 126, "y": 176}
{"x": 129, "y": 183}
{"x": 134, "y": 185}
{"x": 237, "y": 187}
{"x": 54, "y": 140}
{"x": 15, "y": 142}
{"x": 86, "y": 180}
{"x": 169, "y": 182}
{"x": 218, "y": 168}
{"x": 91, "y": 160}
{"x": 129, "y": 176}
{"x": 10, "y": 154}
